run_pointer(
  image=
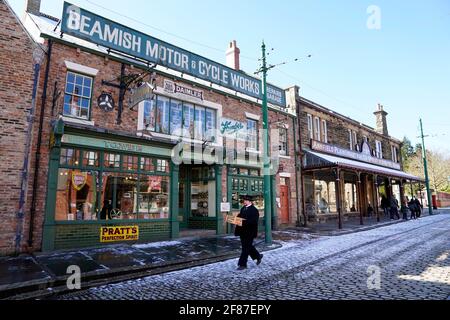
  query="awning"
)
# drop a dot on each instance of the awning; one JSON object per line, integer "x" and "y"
{"x": 320, "y": 160}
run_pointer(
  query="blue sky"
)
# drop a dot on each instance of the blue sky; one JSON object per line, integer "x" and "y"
{"x": 404, "y": 65}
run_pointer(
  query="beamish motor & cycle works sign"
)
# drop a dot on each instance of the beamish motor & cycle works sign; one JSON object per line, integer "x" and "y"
{"x": 88, "y": 26}
{"x": 122, "y": 233}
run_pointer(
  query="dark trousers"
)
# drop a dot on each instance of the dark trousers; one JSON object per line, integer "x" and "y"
{"x": 394, "y": 212}
{"x": 247, "y": 249}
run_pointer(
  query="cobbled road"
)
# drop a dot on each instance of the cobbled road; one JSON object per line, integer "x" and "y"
{"x": 408, "y": 260}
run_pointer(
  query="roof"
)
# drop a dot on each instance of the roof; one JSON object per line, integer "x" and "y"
{"x": 326, "y": 160}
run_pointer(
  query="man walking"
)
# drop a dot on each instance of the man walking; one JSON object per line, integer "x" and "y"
{"x": 248, "y": 232}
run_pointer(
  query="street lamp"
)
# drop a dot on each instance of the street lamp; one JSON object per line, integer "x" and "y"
{"x": 266, "y": 171}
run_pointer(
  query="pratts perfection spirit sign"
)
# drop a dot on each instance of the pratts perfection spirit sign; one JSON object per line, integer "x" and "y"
{"x": 83, "y": 24}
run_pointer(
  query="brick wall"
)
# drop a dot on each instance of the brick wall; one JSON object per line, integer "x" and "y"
{"x": 338, "y": 133}
{"x": 16, "y": 84}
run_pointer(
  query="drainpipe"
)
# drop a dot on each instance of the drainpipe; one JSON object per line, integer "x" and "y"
{"x": 38, "y": 146}
{"x": 37, "y": 60}
{"x": 298, "y": 168}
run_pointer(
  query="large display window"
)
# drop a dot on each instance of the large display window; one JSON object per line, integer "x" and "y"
{"x": 120, "y": 187}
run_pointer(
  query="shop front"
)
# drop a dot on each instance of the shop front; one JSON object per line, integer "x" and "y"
{"x": 338, "y": 187}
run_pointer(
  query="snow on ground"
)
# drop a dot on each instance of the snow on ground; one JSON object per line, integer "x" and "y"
{"x": 292, "y": 255}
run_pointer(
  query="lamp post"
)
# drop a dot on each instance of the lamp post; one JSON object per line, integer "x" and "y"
{"x": 425, "y": 167}
{"x": 266, "y": 171}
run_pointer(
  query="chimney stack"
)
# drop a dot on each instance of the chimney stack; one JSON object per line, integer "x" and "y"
{"x": 33, "y": 7}
{"x": 381, "y": 126}
{"x": 232, "y": 55}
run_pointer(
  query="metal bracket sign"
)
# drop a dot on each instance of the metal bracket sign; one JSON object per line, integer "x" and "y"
{"x": 88, "y": 26}
{"x": 139, "y": 94}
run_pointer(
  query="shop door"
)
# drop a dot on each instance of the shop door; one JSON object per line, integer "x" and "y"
{"x": 184, "y": 188}
{"x": 284, "y": 193}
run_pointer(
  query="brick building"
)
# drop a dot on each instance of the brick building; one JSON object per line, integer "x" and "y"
{"x": 20, "y": 60}
{"x": 347, "y": 167}
{"x": 181, "y": 158}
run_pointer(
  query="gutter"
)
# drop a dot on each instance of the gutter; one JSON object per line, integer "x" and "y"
{"x": 24, "y": 178}
{"x": 298, "y": 167}
{"x": 38, "y": 146}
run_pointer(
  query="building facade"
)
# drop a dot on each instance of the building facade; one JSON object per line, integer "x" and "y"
{"x": 136, "y": 151}
{"x": 347, "y": 167}
{"x": 20, "y": 65}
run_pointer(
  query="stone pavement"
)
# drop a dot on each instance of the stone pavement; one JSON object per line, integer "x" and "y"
{"x": 407, "y": 261}
{"x": 40, "y": 275}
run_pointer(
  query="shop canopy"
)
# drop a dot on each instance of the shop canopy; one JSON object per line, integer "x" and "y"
{"x": 316, "y": 160}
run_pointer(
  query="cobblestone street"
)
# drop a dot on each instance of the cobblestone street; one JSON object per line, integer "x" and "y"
{"x": 413, "y": 260}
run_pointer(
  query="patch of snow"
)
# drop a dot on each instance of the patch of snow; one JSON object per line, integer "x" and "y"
{"x": 157, "y": 244}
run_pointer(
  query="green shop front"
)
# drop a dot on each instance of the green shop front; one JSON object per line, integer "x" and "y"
{"x": 105, "y": 188}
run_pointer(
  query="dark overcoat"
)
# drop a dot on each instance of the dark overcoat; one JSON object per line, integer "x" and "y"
{"x": 249, "y": 227}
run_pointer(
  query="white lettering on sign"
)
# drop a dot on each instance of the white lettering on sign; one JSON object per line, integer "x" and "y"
{"x": 173, "y": 87}
{"x": 327, "y": 148}
{"x": 163, "y": 54}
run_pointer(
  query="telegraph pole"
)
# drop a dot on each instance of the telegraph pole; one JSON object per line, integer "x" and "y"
{"x": 267, "y": 182}
{"x": 425, "y": 167}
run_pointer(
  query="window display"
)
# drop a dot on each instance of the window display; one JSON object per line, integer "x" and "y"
{"x": 77, "y": 195}
{"x": 154, "y": 197}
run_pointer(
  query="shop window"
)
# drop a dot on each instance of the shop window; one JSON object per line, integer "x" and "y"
{"x": 90, "y": 158}
{"x": 77, "y": 97}
{"x": 130, "y": 163}
{"x": 150, "y": 115}
{"x": 162, "y": 115}
{"x": 252, "y": 134}
{"x": 111, "y": 160}
{"x": 254, "y": 172}
{"x": 188, "y": 120}
{"x": 147, "y": 164}
{"x": 77, "y": 195}
{"x": 119, "y": 196}
{"x": 283, "y": 142}
{"x": 154, "y": 197}
{"x": 176, "y": 117}
{"x": 69, "y": 157}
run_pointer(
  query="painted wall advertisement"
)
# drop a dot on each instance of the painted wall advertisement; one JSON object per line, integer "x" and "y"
{"x": 233, "y": 129}
{"x": 88, "y": 26}
{"x": 117, "y": 234}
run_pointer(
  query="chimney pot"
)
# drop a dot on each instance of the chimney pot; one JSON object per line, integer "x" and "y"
{"x": 33, "y": 7}
{"x": 232, "y": 56}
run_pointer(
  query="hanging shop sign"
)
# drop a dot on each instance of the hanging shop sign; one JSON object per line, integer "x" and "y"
{"x": 79, "y": 180}
{"x": 142, "y": 93}
{"x": 233, "y": 129}
{"x": 364, "y": 156}
{"x": 106, "y": 102}
{"x": 88, "y": 26}
{"x": 172, "y": 87}
{"x": 117, "y": 234}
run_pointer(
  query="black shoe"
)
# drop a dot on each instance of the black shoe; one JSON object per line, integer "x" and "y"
{"x": 241, "y": 268}
{"x": 258, "y": 262}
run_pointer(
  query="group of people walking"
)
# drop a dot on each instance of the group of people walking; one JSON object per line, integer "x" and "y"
{"x": 391, "y": 207}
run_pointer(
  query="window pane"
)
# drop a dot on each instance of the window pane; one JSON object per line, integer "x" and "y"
{"x": 130, "y": 163}
{"x": 149, "y": 115}
{"x": 119, "y": 196}
{"x": 87, "y": 92}
{"x": 111, "y": 160}
{"x": 69, "y": 88}
{"x": 210, "y": 124}
{"x": 252, "y": 134}
{"x": 188, "y": 121}
{"x": 162, "y": 166}
{"x": 147, "y": 164}
{"x": 154, "y": 197}
{"x": 70, "y": 77}
{"x": 69, "y": 157}
{"x": 199, "y": 123}
{"x": 90, "y": 158}
{"x": 77, "y": 195}
{"x": 176, "y": 117}
{"x": 162, "y": 115}
{"x": 87, "y": 82}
